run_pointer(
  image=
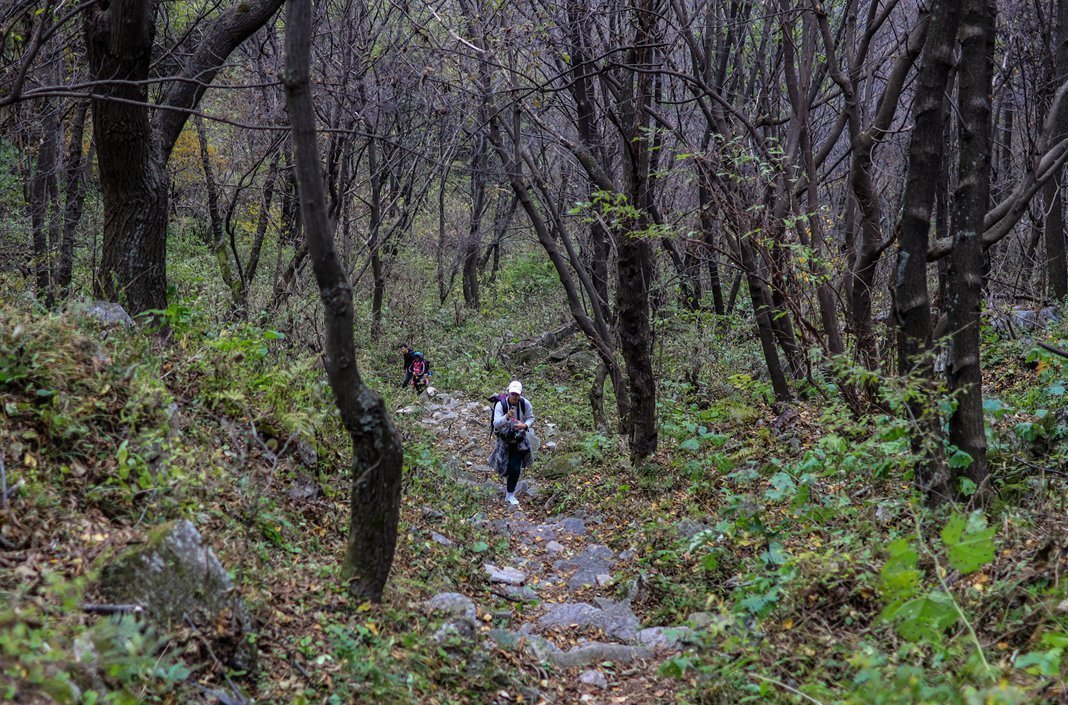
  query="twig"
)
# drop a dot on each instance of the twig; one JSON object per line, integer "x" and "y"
{"x": 3, "y": 485}
{"x": 241, "y": 699}
{"x": 1052, "y": 348}
{"x": 782, "y": 685}
{"x": 113, "y": 609}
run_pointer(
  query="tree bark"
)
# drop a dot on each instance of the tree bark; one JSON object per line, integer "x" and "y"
{"x": 971, "y": 200}
{"x": 912, "y": 300}
{"x": 133, "y": 174}
{"x": 74, "y": 200}
{"x": 1056, "y": 262}
{"x": 376, "y": 447}
{"x": 635, "y": 265}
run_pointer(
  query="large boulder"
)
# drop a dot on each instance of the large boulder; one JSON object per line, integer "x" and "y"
{"x": 107, "y": 314}
{"x": 175, "y": 577}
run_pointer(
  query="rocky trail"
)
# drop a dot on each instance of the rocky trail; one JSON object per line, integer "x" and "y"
{"x": 561, "y": 597}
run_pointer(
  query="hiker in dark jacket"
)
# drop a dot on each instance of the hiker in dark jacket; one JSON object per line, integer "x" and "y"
{"x": 419, "y": 372}
{"x": 409, "y": 356}
{"x": 512, "y": 420}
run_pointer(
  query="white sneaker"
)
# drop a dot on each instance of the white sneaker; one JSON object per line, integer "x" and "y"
{"x": 511, "y": 499}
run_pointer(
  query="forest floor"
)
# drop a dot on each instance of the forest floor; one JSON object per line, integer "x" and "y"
{"x": 762, "y": 555}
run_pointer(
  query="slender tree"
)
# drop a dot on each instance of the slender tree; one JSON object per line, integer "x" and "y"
{"x": 376, "y": 446}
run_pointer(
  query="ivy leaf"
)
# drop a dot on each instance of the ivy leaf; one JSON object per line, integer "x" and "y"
{"x": 969, "y": 542}
{"x": 690, "y": 444}
{"x": 480, "y": 547}
{"x": 959, "y": 459}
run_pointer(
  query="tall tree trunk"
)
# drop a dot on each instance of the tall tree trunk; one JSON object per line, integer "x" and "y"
{"x": 74, "y": 200}
{"x": 762, "y": 314}
{"x": 218, "y": 234}
{"x": 1056, "y": 262}
{"x": 133, "y": 173}
{"x": 473, "y": 243}
{"x": 971, "y": 201}
{"x": 261, "y": 229}
{"x": 708, "y": 230}
{"x": 376, "y": 447}
{"x": 635, "y": 265}
{"x": 43, "y": 190}
{"x": 912, "y": 301}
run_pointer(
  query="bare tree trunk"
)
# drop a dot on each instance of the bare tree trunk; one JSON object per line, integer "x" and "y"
{"x": 971, "y": 201}
{"x": 43, "y": 190}
{"x": 133, "y": 174}
{"x": 218, "y": 235}
{"x": 74, "y": 200}
{"x": 635, "y": 266}
{"x": 473, "y": 243}
{"x": 761, "y": 311}
{"x": 1056, "y": 262}
{"x": 912, "y": 302}
{"x": 261, "y": 229}
{"x": 376, "y": 447}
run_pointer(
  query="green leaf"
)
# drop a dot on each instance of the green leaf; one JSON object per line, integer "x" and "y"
{"x": 480, "y": 547}
{"x": 925, "y": 618}
{"x": 959, "y": 459}
{"x": 784, "y": 486}
{"x": 1040, "y": 663}
{"x": 691, "y": 444}
{"x": 969, "y": 542}
{"x": 899, "y": 577}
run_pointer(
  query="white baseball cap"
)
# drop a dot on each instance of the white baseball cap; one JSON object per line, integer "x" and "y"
{"x": 516, "y": 386}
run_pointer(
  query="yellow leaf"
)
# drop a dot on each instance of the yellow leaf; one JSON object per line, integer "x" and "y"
{"x": 30, "y": 461}
{"x": 364, "y": 607}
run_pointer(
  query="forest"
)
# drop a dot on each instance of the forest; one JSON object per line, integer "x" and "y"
{"x": 534, "y": 351}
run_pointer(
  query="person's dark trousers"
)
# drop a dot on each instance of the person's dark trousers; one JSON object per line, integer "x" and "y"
{"x": 407, "y": 379}
{"x": 515, "y": 463}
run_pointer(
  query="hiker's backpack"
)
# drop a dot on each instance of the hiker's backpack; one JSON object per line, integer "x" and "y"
{"x": 502, "y": 398}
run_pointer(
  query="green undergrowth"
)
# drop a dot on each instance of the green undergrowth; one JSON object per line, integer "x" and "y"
{"x": 107, "y": 432}
{"x": 820, "y": 576}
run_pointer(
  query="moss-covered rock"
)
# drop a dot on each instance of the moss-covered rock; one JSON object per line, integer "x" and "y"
{"x": 173, "y": 575}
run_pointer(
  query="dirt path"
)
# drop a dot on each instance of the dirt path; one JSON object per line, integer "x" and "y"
{"x": 568, "y": 593}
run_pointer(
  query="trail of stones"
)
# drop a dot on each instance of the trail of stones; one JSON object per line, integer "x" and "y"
{"x": 567, "y": 610}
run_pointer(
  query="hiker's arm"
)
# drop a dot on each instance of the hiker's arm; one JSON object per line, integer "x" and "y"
{"x": 501, "y": 422}
{"x": 528, "y": 418}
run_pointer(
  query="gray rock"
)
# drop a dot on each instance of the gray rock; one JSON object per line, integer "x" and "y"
{"x": 307, "y": 455}
{"x": 594, "y": 678}
{"x": 597, "y": 652}
{"x": 504, "y": 638}
{"x": 665, "y": 640}
{"x": 594, "y": 652}
{"x": 460, "y": 628}
{"x": 571, "y": 525}
{"x": 175, "y": 576}
{"x": 442, "y": 539}
{"x": 526, "y": 488}
{"x": 304, "y": 489}
{"x": 628, "y": 554}
{"x": 585, "y": 568}
{"x": 554, "y": 547}
{"x": 615, "y": 619}
{"x": 107, "y": 314}
{"x": 519, "y": 593}
{"x": 431, "y": 513}
{"x": 508, "y": 576}
{"x": 700, "y": 620}
{"x": 407, "y": 410}
{"x": 583, "y": 361}
{"x": 688, "y": 528}
{"x": 453, "y": 604}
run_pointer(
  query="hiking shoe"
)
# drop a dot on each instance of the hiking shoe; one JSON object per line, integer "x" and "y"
{"x": 511, "y": 499}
